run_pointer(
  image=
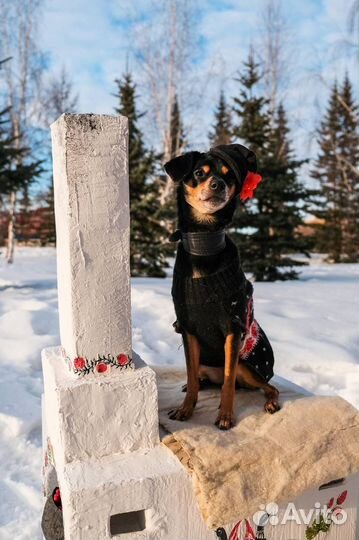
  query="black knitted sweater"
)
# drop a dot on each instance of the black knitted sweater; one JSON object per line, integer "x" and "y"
{"x": 216, "y": 305}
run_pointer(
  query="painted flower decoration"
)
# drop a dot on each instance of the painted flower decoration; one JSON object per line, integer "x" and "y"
{"x": 101, "y": 368}
{"x": 82, "y": 366}
{"x": 249, "y": 534}
{"x": 250, "y": 183}
{"x": 79, "y": 363}
{"x": 122, "y": 359}
{"x": 342, "y": 497}
{"x": 234, "y": 532}
{"x": 323, "y": 525}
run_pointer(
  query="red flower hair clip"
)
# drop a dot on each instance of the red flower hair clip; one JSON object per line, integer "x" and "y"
{"x": 250, "y": 183}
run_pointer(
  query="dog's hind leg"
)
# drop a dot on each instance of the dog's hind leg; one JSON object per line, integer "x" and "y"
{"x": 249, "y": 379}
{"x": 192, "y": 353}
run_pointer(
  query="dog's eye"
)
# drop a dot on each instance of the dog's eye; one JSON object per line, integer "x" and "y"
{"x": 199, "y": 173}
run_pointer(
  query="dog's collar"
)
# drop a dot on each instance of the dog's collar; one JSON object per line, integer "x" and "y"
{"x": 203, "y": 244}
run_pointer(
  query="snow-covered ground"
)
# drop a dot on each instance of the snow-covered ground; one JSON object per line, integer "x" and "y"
{"x": 312, "y": 324}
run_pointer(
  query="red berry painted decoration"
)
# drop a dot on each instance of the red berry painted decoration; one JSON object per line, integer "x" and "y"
{"x": 101, "y": 368}
{"x": 79, "y": 363}
{"x": 83, "y": 366}
{"x": 122, "y": 359}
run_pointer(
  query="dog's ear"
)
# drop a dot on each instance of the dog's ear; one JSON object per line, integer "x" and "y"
{"x": 179, "y": 167}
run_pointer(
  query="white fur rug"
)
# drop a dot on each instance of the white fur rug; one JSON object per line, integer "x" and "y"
{"x": 310, "y": 441}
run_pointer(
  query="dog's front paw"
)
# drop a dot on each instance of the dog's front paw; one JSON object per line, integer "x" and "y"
{"x": 271, "y": 406}
{"x": 184, "y": 412}
{"x": 225, "y": 420}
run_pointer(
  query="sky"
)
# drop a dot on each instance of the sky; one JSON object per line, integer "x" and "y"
{"x": 95, "y": 41}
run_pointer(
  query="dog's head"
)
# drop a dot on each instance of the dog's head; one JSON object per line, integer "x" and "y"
{"x": 210, "y": 180}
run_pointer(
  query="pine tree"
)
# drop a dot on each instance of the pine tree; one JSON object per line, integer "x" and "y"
{"x": 329, "y": 202}
{"x": 24, "y": 209}
{"x": 266, "y": 227}
{"x": 251, "y": 109}
{"x": 147, "y": 250}
{"x": 8, "y": 155}
{"x": 349, "y": 165}
{"x": 16, "y": 168}
{"x": 285, "y": 200}
{"x": 48, "y": 229}
{"x": 336, "y": 170}
{"x": 222, "y": 128}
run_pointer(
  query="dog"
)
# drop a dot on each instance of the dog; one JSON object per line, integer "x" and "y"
{"x": 223, "y": 342}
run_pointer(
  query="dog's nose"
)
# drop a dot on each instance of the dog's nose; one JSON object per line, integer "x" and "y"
{"x": 217, "y": 185}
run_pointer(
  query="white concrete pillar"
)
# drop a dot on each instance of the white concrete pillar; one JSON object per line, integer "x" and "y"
{"x": 92, "y": 225}
{"x": 115, "y": 478}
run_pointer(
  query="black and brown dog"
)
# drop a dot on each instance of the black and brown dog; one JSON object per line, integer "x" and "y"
{"x": 223, "y": 342}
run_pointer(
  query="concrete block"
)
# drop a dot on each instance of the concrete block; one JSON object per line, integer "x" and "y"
{"x": 148, "y": 494}
{"x": 96, "y": 417}
{"x": 49, "y": 477}
{"x": 92, "y": 225}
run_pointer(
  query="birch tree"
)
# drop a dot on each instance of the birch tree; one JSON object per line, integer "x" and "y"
{"x": 18, "y": 29}
{"x": 353, "y": 28}
{"x": 57, "y": 97}
{"x": 274, "y": 52}
{"x": 165, "y": 51}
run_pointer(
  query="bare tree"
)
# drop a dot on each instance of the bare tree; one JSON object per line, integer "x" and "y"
{"x": 274, "y": 52}
{"x": 18, "y": 30}
{"x": 353, "y": 28}
{"x": 165, "y": 52}
{"x": 58, "y": 97}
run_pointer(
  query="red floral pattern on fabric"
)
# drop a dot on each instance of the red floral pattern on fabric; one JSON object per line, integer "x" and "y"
{"x": 250, "y": 341}
{"x": 249, "y": 314}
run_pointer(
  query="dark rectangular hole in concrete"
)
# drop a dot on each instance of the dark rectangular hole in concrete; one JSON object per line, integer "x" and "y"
{"x": 127, "y": 522}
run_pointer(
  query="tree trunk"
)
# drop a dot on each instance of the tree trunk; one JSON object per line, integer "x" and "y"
{"x": 11, "y": 230}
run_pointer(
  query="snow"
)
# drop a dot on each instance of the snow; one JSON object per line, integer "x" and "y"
{"x": 312, "y": 324}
